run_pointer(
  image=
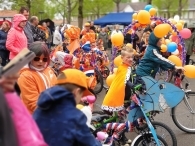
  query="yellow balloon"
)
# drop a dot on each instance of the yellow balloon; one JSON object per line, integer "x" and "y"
{"x": 174, "y": 33}
{"x": 117, "y": 39}
{"x": 152, "y": 11}
{"x": 176, "y": 60}
{"x": 143, "y": 17}
{"x": 189, "y": 71}
{"x": 118, "y": 60}
{"x": 135, "y": 16}
{"x": 129, "y": 45}
{"x": 79, "y": 106}
{"x": 179, "y": 26}
{"x": 109, "y": 79}
{"x": 167, "y": 41}
{"x": 181, "y": 21}
{"x": 161, "y": 30}
{"x": 163, "y": 48}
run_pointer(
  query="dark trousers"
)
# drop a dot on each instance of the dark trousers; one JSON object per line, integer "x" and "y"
{"x": 4, "y": 54}
{"x": 187, "y": 59}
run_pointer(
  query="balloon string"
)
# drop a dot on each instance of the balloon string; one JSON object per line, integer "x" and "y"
{"x": 114, "y": 49}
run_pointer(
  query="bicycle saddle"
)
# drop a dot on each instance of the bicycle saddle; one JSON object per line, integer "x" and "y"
{"x": 99, "y": 118}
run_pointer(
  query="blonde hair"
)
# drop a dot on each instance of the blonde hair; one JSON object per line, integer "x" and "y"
{"x": 144, "y": 36}
{"x": 126, "y": 49}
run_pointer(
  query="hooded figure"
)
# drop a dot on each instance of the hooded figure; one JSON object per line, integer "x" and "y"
{"x": 16, "y": 39}
{"x": 57, "y": 37}
{"x": 153, "y": 60}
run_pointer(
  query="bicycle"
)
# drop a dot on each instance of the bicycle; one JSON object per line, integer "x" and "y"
{"x": 178, "y": 111}
{"x": 102, "y": 118}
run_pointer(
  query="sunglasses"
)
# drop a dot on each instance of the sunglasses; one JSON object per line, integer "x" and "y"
{"x": 44, "y": 59}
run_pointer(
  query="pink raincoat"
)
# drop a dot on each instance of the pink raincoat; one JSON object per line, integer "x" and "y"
{"x": 16, "y": 39}
{"x": 26, "y": 129}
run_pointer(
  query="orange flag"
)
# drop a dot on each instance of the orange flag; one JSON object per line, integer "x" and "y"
{"x": 73, "y": 46}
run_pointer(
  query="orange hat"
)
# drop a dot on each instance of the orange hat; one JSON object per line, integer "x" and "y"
{"x": 87, "y": 24}
{"x": 74, "y": 76}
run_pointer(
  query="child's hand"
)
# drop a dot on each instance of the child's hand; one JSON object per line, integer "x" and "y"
{"x": 179, "y": 67}
{"x": 8, "y": 83}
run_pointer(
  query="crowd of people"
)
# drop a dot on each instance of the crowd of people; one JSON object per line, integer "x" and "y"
{"x": 46, "y": 113}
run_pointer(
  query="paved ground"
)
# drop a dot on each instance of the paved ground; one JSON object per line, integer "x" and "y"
{"x": 183, "y": 139}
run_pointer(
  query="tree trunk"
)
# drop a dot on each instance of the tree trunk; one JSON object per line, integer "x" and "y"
{"x": 180, "y": 8}
{"x": 28, "y": 3}
{"x": 80, "y": 14}
{"x": 149, "y": 2}
{"x": 117, "y": 6}
{"x": 69, "y": 12}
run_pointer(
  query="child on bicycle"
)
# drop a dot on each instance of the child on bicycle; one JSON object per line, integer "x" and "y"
{"x": 114, "y": 99}
{"x": 57, "y": 117}
{"x": 153, "y": 60}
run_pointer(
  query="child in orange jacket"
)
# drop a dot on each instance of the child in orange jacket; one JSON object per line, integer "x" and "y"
{"x": 36, "y": 76}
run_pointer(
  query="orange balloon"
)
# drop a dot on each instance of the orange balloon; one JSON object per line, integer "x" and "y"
{"x": 152, "y": 11}
{"x": 118, "y": 60}
{"x": 143, "y": 17}
{"x": 174, "y": 33}
{"x": 171, "y": 29}
{"x": 189, "y": 71}
{"x": 137, "y": 24}
{"x": 161, "y": 30}
{"x": 179, "y": 26}
{"x": 117, "y": 39}
{"x": 109, "y": 79}
{"x": 167, "y": 41}
{"x": 176, "y": 60}
{"x": 163, "y": 48}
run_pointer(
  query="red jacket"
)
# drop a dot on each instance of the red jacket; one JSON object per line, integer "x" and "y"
{"x": 16, "y": 39}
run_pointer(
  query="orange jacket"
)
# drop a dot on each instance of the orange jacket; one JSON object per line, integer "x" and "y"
{"x": 32, "y": 83}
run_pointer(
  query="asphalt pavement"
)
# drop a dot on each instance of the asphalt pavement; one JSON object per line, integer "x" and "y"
{"x": 183, "y": 139}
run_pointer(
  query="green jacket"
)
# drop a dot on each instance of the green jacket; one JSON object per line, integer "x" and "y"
{"x": 190, "y": 44}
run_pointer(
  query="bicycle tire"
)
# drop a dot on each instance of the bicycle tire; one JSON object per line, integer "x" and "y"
{"x": 141, "y": 139}
{"x": 106, "y": 72}
{"x": 191, "y": 62}
{"x": 171, "y": 133}
{"x": 99, "y": 79}
{"x": 175, "y": 118}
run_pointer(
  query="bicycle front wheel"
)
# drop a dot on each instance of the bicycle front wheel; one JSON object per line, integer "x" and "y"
{"x": 100, "y": 82}
{"x": 183, "y": 114}
{"x": 149, "y": 141}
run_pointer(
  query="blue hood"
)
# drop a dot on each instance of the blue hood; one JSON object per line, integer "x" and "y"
{"x": 49, "y": 97}
{"x": 153, "y": 40}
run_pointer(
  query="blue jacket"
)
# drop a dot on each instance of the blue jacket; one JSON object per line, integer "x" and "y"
{"x": 3, "y": 38}
{"x": 153, "y": 60}
{"x": 60, "y": 122}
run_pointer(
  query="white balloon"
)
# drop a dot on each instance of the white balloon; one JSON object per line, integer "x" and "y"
{"x": 176, "y": 52}
{"x": 176, "y": 18}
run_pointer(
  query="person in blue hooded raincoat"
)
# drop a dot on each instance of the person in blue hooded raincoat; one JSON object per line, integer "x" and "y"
{"x": 153, "y": 60}
{"x": 57, "y": 117}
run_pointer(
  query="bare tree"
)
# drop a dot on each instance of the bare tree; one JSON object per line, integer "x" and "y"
{"x": 80, "y": 14}
{"x": 68, "y": 6}
{"x": 182, "y": 4}
{"x": 117, "y": 2}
